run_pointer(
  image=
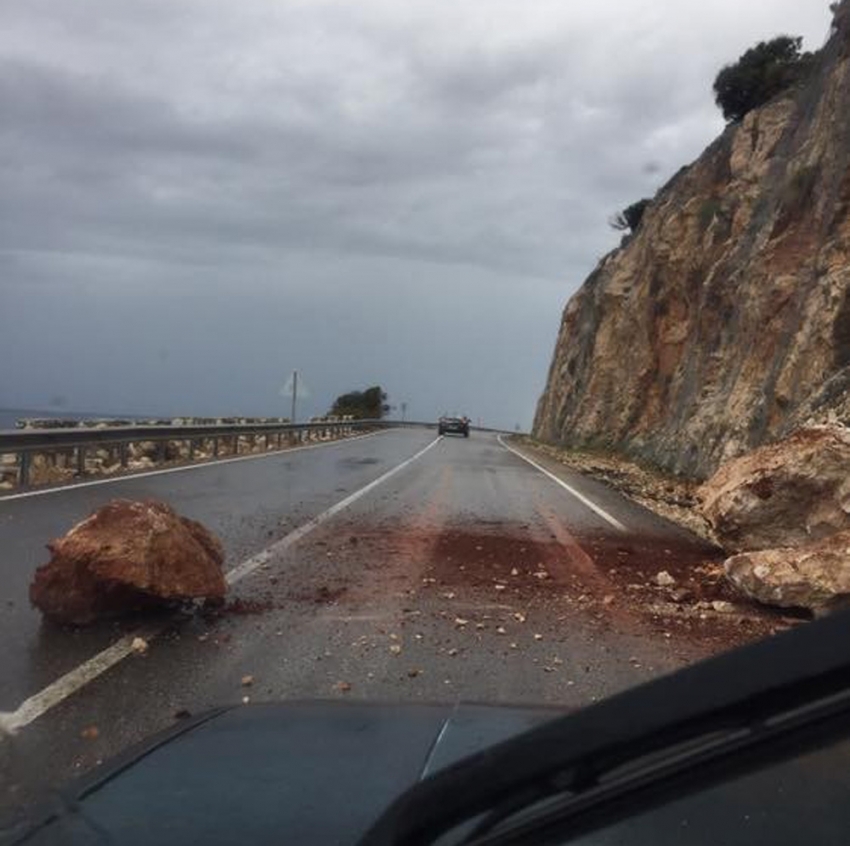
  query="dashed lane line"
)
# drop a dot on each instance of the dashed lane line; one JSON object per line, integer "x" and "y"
{"x": 249, "y": 566}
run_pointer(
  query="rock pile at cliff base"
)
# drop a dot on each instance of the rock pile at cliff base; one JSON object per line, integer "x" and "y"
{"x": 814, "y": 576}
{"x": 784, "y": 508}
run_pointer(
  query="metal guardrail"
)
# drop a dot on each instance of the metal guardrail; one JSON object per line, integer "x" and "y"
{"x": 70, "y": 447}
{"x": 74, "y": 443}
{"x": 40, "y": 440}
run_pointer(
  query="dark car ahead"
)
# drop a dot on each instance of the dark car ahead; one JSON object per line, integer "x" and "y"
{"x": 752, "y": 747}
{"x": 454, "y": 426}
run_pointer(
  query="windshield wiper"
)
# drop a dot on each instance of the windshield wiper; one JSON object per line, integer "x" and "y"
{"x": 722, "y": 718}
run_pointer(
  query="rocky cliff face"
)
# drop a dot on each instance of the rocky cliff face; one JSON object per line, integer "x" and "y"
{"x": 725, "y": 321}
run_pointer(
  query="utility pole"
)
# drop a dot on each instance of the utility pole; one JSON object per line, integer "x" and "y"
{"x": 294, "y": 394}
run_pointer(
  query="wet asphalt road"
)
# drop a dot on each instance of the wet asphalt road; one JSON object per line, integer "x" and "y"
{"x": 466, "y": 575}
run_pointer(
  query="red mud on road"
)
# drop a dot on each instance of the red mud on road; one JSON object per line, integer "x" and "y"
{"x": 519, "y": 564}
{"x": 634, "y": 560}
{"x": 606, "y": 581}
{"x": 524, "y": 571}
{"x": 269, "y": 601}
{"x": 609, "y": 579}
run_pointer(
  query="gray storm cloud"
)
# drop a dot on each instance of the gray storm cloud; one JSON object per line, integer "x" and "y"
{"x": 196, "y": 197}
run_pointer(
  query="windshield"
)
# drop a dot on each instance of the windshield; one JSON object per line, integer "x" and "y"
{"x": 491, "y": 352}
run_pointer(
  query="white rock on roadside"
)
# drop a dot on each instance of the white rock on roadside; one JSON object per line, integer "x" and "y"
{"x": 139, "y": 645}
{"x": 784, "y": 494}
{"x": 664, "y": 579}
{"x": 815, "y": 576}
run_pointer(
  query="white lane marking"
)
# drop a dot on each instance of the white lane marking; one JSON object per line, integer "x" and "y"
{"x": 65, "y": 686}
{"x": 47, "y": 698}
{"x": 205, "y": 465}
{"x": 249, "y": 566}
{"x": 613, "y": 521}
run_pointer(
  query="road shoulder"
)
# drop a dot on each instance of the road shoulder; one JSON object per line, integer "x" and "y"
{"x": 660, "y": 570}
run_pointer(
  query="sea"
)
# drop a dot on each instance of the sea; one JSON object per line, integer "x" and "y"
{"x": 9, "y": 416}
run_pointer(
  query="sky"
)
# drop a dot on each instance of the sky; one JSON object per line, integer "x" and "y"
{"x": 198, "y": 197}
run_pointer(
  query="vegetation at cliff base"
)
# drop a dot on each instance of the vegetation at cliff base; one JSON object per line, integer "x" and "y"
{"x": 363, "y": 405}
{"x": 764, "y": 71}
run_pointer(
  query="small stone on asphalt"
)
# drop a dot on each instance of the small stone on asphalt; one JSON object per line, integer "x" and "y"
{"x": 139, "y": 645}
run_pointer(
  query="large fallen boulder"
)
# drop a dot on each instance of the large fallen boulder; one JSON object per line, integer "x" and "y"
{"x": 814, "y": 576}
{"x": 784, "y": 494}
{"x": 124, "y": 557}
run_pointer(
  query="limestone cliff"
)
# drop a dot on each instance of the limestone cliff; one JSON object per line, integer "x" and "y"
{"x": 725, "y": 321}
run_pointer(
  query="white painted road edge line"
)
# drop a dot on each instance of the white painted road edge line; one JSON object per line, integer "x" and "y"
{"x": 613, "y": 521}
{"x": 201, "y": 465}
{"x": 56, "y": 692}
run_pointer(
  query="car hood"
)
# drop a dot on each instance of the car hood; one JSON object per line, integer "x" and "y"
{"x": 299, "y": 772}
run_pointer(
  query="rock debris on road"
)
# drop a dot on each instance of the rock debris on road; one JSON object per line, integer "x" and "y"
{"x": 467, "y": 576}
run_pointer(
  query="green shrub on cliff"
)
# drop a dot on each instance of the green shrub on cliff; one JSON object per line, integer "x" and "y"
{"x": 630, "y": 217}
{"x": 760, "y": 74}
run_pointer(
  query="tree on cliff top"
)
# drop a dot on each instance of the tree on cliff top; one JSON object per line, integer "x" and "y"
{"x": 760, "y": 74}
{"x": 368, "y": 405}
